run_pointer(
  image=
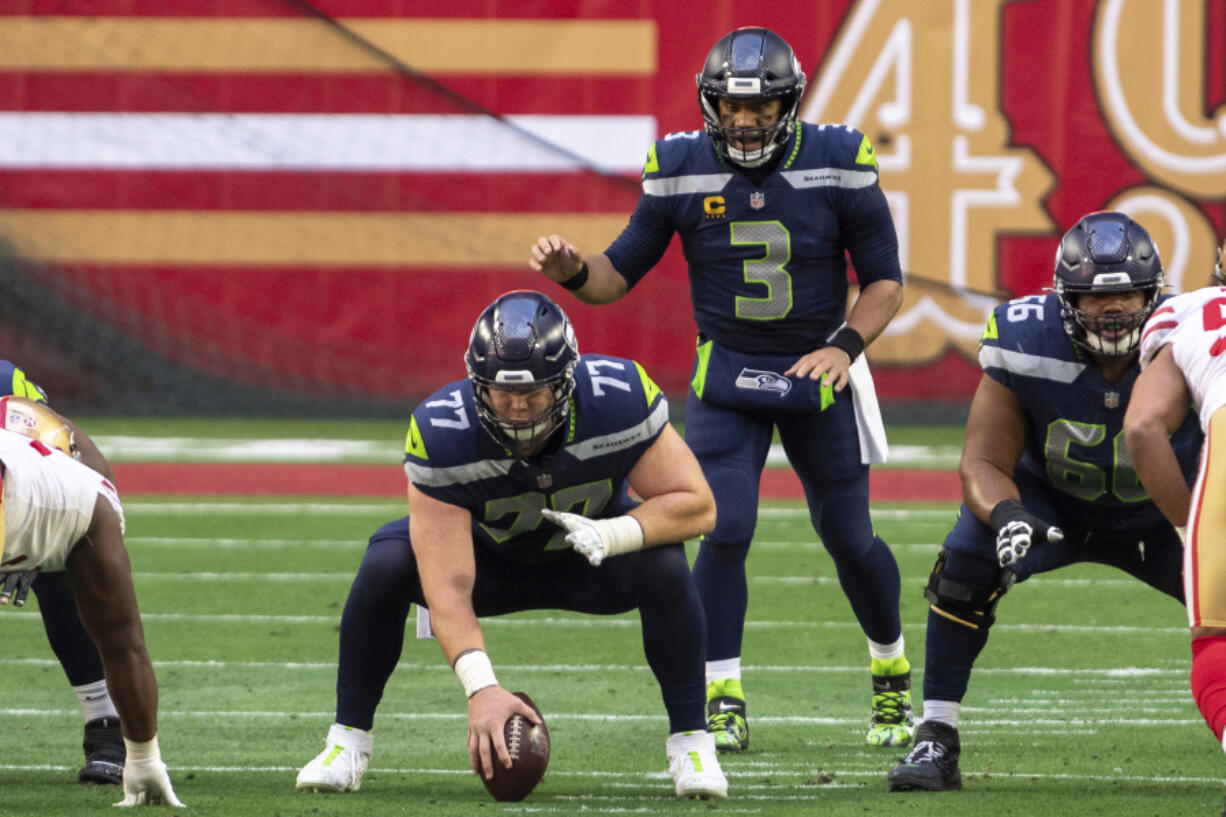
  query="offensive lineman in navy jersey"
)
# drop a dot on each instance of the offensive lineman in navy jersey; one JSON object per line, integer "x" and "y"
{"x": 1046, "y": 477}
{"x": 767, "y": 210}
{"x": 103, "y": 741}
{"x": 518, "y": 500}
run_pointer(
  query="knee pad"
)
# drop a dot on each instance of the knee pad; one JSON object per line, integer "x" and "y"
{"x": 967, "y": 594}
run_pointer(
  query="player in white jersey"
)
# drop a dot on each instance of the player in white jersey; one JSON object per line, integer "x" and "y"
{"x": 1183, "y": 352}
{"x": 58, "y": 514}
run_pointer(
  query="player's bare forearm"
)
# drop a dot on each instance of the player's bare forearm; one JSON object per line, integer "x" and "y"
{"x": 560, "y": 261}
{"x": 604, "y": 284}
{"x": 441, "y": 534}
{"x": 1159, "y": 404}
{"x": 1158, "y": 468}
{"x": 984, "y": 485}
{"x": 101, "y": 577}
{"x": 678, "y": 504}
{"x": 874, "y": 308}
{"x": 993, "y": 443}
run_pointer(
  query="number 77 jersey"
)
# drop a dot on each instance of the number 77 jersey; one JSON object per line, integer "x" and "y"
{"x": 1194, "y": 325}
{"x": 616, "y": 413}
{"x": 1074, "y": 416}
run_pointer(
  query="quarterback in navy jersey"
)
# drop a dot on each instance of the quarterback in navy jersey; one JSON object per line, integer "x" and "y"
{"x": 519, "y": 479}
{"x": 103, "y": 741}
{"x": 1046, "y": 477}
{"x": 768, "y": 210}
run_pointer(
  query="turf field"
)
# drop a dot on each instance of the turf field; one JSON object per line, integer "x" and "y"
{"x": 1080, "y": 704}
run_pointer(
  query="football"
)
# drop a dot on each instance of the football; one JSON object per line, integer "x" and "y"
{"x": 529, "y": 748}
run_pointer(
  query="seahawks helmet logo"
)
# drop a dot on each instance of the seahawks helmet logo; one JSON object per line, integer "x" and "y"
{"x": 759, "y": 380}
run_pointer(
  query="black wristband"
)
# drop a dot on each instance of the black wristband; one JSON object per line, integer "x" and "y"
{"x": 849, "y": 341}
{"x": 577, "y": 280}
{"x": 1006, "y": 511}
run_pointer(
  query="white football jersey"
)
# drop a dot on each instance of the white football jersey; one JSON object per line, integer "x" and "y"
{"x": 1194, "y": 325}
{"x": 48, "y": 503}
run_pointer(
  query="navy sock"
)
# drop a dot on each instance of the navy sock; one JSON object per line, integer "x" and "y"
{"x": 719, "y": 574}
{"x": 872, "y": 585}
{"x": 372, "y": 625}
{"x": 674, "y": 635}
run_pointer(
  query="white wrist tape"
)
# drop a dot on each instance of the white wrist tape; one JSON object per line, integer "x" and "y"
{"x": 621, "y": 534}
{"x": 143, "y": 749}
{"x": 475, "y": 672}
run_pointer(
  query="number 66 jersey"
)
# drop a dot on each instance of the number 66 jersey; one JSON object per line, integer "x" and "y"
{"x": 1194, "y": 324}
{"x": 1074, "y": 416}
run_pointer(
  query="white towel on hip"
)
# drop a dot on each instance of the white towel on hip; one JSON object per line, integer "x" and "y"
{"x": 869, "y": 426}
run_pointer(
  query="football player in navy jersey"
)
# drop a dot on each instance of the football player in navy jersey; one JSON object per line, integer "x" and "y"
{"x": 103, "y": 741}
{"x": 768, "y": 209}
{"x": 518, "y": 500}
{"x": 1046, "y": 477}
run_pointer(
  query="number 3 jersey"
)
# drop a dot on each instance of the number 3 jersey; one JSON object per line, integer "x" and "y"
{"x": 1074, "y": 416}
{"x": 616, "y": 413}
{"x": 768, "y": 274}
{"x": 1194, "y": 324}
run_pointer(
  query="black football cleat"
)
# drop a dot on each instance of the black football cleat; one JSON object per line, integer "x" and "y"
{"x": 932, "y": 764}
{"x": 104, "y": 752}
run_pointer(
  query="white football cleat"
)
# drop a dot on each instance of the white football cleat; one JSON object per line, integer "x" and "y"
{"x": 339, "y": 767}
{"x": 694, "y": 765}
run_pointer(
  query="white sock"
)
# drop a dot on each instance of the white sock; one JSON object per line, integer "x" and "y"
{"x": 680, "y": 743}
{"x": 944, "y": 711}
{"x": 351, "y": 738}
{"x": 885, "y": 652}
{"x": 726, "y": 669}
{"x": 96, "y": 701}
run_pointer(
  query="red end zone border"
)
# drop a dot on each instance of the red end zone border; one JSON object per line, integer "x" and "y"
{"x": 265, "y": 479}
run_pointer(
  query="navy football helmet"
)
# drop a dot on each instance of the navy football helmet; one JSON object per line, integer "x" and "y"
{"x": 523, "y": 341}
{"x": 1107, "y": 252}
{"x": 751, "y": 63}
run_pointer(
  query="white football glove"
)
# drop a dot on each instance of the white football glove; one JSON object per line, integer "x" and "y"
{"x": 598, "y": 538}
{"x": 145, "y": 779}
{"x": 1017, "y": 530}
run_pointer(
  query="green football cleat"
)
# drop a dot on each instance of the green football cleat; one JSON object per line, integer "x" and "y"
{"x": 726, "y": 715}
{"x": 892, "y": 722}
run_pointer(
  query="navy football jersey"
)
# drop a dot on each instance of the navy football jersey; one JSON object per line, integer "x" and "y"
{"x": 616, "y": 413}
{"x": 13, "y": 381}
{"x": 1074, "y": 415}
{"x": 768, "y": 274}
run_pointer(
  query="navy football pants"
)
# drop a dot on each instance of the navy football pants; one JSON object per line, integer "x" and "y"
{"x": 824, "y": 449}
{"x": 656, "y": 581}
{"x": 950, "y": 648}
{"x": 65, "y": 632}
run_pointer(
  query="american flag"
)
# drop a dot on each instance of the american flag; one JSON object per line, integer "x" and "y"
{"x": 318, "y": 195}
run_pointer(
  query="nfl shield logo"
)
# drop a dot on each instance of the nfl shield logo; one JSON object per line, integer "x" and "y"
{"x": 544, "y": 481}
{"x": 1111, "y": 399}
{"x": 757, "y": 200}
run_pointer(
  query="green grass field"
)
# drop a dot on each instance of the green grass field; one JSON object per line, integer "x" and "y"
{"x": 1080, "y": 704}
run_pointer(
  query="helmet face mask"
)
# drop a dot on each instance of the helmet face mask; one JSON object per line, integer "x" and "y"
{"x": 752, "y": 65}
{"x": 1107, "y": 253}
{"x": 522, "y": 343}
